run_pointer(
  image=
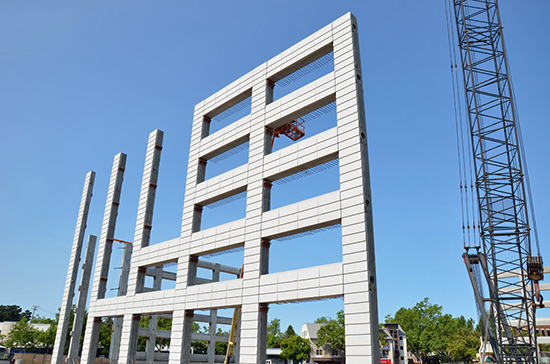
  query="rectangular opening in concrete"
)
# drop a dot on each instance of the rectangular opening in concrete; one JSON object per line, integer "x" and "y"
{"x": 210, "y": 334}
{"x": 299, "y": 313}
{"x": 314, "y": 122}
{"x": 108, "y": 343}
{"x": 323, "y": 244}
{"x": 227, "y": 113}
{"x": 226, "y": 208}
{"x": 159, "y": 277}
{"x": 220, "y": 265}
{"x": 224, "y": 159}
{"x": 311, "y": 181}
{"x": 154, "y": 338}
{"x": 299, "y": 74}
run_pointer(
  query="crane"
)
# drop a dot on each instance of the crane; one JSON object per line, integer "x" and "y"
{"x": 502, "y": 261}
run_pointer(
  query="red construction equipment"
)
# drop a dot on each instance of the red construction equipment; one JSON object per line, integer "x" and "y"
{"x": 294, "y": 130}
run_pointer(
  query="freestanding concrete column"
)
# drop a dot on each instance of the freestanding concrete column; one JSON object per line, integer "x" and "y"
{"x": 108, "y": 228}
{"x": 66, "y": 306}
{"x": 144, "y": 224}
{"x": 148, "y": 190}
{"x": 99, "y": 286}
{"x": 82, "y": 298}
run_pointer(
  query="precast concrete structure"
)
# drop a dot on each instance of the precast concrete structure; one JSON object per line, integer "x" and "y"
{"x": 353, "y": 279}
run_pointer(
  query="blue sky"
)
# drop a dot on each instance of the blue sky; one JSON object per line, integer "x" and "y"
{"x": 81, "y": 82}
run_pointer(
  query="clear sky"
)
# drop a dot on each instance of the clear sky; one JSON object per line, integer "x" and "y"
{"x": 83, "y": 81}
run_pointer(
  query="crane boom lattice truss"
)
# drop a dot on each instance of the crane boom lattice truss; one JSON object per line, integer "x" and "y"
{"x": 499, "y": 180}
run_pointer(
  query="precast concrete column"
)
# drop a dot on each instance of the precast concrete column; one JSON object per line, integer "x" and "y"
{"x": 359, "y": 270}
{"x": 252, "y": 323}
{"x": 89, "y": 349}
{"x": 148, "y": 190}
{"x": 108, "y": 229}
{"x": 144, "y": 221}
{"x": 153, "y": 320}
{"x": 213, "y": 324}
{"x": 129, "y": 339}
{"x": 81, "y": 302}
{"x": 151, "y": 340}
{"x": 99, "y": 286}
{"x": 66, "y": 305}
{"x": 186, "y": 339}
{"x": 122, "y": 290}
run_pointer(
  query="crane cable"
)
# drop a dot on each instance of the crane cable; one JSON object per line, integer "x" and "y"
{"x": 468, "y": 230}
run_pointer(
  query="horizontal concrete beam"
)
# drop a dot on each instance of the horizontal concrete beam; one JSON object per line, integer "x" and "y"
{"x": 207, "y": 318}
{"x": 206, "y": 337}
{"x": 151, "y": 272}
{"x": 223, "y": 268}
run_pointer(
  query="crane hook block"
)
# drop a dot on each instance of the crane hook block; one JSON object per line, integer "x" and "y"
{"x": 535, "y": 270}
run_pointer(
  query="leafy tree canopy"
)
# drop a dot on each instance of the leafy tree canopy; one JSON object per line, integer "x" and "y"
{"x": 322, "y": 320}
{"x": 333, "y": 333}
{"x": 289, "y": 331}
{"x": 23, "y": 335}
{"x": 13, "y": 313}
{"x": 274, "y": 334}
{"x": 295, "y": 348}
{"x": 464, "y": 345}
{"x": 430, "y": 331}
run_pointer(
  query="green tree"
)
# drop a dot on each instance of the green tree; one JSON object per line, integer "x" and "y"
{"x": 274, "y": 334}
{"x": 295, "y": 348}
{"x": 45, "y": 339}
{"x": 321, "y": 320}
{"x": 423, "y": 325}
{"x": 105, "y": 334}
{"x": 13, "y": 313}
{"x": 464, "y": 345}
{"x": 430, "y": 331}
{"x": 23, "y": 335}
{"x": 333, "y": 333}
{"x": 289, "y": 331}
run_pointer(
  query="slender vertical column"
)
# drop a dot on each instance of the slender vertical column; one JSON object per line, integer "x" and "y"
{"x": 262, "y": 332}
{"x": 129, "y": 339}
{"x": 148, "y": 190}
{"x": 250, "y": 352}
{"x": 213, "y": 327}
{"x": 114, "y": 349}
{"x": 187, "y": 334}
{"x": 144, "y": 221}
{"x": 89, "y": 350}
{"x": 153, "y": 320}
{"x": 81, "y": 302}
{"x": 122, "y": 290}
{"x": 151, "y": 340}
{"x": 65, "y": 312}
{"x": 99, "y": 286}
{"x": 108, "y": 228}
{"x": 359, "y": 270}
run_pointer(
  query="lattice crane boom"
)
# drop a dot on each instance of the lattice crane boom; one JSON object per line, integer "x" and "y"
{"x": 510, "y": 271}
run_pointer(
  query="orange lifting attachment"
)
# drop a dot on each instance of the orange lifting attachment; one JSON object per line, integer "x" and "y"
{"x": 294, "y": 130}
{"x": 535, "y": 272}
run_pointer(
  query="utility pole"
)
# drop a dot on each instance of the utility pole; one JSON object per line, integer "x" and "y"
{"x": 33, "y": 311}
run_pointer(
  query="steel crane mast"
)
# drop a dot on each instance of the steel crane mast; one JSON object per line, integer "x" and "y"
{"x": 505, "y": 257}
